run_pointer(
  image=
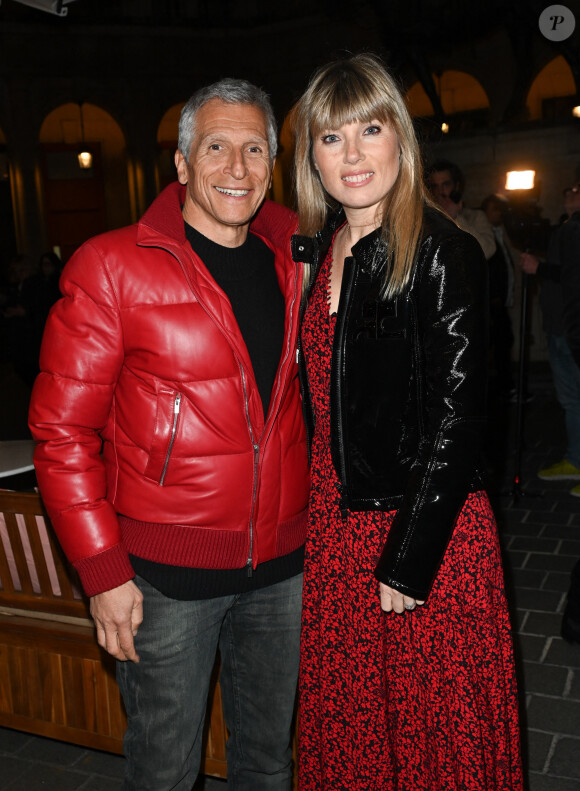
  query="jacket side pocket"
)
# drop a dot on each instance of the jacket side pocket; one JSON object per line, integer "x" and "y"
{"x": 164, "y": 434}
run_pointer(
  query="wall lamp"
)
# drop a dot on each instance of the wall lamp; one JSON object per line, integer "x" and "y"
{"x": 520, "y": 180}
{"x": 84, "y": 156}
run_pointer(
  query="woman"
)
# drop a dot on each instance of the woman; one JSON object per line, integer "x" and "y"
{"x": 407, "y": 671}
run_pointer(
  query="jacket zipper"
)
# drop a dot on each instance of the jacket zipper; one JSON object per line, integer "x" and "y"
{"x": 335, "y": 373}
{"x": 288, "y": 344}
{"x": 256, "y": 448}
{"x": 176, "y": 408}
{"x": 255, "y": 445}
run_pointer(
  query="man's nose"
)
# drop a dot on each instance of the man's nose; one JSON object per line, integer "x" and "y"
{"x": 236, "y": 164}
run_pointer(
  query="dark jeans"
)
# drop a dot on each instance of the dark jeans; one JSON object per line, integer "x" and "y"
{"x": 165, "y": 694}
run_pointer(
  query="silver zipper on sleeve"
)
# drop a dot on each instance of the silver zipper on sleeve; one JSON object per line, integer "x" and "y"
{"x": 176, "y": 408}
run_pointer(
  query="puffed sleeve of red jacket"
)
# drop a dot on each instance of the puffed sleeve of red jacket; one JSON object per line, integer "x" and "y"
{"x": 80, "y": 362}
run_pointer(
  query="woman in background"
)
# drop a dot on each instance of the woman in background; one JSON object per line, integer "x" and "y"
{"x": 407, "y": 678}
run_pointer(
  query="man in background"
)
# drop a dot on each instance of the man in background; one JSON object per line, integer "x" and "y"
{"x": 501, "y": 297}
{"x": 446, "y": 183}
{"x": 559, "y": 300}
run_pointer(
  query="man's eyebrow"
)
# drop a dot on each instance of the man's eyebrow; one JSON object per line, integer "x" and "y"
{"x": 221, "y": 136}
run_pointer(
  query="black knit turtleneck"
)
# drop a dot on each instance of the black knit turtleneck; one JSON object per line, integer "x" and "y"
{"x": 247, "y": 276}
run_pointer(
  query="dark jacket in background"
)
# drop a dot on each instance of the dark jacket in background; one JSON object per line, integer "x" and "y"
{"x": 570, "y": 256}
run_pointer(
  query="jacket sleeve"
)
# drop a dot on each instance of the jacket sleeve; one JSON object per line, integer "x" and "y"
{"x": 80, "y": 361}
{"x": 452, "y": 346}
{"x": 570, "y": 278}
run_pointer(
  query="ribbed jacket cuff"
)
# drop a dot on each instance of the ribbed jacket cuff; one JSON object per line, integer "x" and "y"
{"x": 105, "y": 571}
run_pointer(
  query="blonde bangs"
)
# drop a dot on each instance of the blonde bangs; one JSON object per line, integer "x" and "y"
{"x": 343, "y": 102}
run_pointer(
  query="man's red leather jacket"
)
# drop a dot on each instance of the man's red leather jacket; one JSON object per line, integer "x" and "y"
{"x": 147, "y": 407}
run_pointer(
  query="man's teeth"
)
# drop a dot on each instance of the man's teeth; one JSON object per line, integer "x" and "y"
{"x": 360, "y": 177}
{"x": 233, "y": 193}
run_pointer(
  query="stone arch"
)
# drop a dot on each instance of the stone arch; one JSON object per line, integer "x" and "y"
{"x": 167, "y": 144}
{"x": 459, "y": 91}
{"x": 282, "y": 176}
{"x": 555, "y": 81}
{"x": 7, "y": 227}
{"x": 81, "y": 203}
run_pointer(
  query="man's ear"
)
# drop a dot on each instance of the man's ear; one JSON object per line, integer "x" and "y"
{"x": 181, "y": 166}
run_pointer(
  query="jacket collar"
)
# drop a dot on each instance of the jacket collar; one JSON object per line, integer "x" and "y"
{"x": 370, "y": 252}
{"x": 273, "y": 222}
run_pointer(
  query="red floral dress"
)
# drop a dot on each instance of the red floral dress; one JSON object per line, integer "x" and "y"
{"x": 423, "y": 701}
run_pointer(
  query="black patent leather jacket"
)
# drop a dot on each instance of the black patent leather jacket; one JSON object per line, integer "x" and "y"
{"x": 408, "y": 390}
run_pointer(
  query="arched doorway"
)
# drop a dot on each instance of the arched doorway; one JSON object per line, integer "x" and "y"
{"x": 463, "y": 99}
{"x": 7, "y": 230}
{"x": 167, "y": 144}
{"x": 553, "y": 92}
{"x": 81, "y": 202}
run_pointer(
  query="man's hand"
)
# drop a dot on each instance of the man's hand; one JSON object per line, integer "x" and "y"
{"x": 529, "y": 263}
{"x": 393, "y": 600}
{"x": 449, "y": 206}
{"x": 117, "y": 614}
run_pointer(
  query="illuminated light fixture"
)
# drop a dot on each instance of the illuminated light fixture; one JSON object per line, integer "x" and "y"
{"x": 85, "y": 157}
{"x": 444, "y": 128}
{"x": 520, "y": 180}
{"x": 57, "y": 7}
{"x": 85, "y": 160}
{"x": 576, "y": 111}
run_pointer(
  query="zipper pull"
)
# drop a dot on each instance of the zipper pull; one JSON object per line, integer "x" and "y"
{"x": 297, "y": 356}
{"x": 249, "y": 569}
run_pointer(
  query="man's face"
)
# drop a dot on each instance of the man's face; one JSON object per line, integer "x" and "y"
{"x": 228, "y": 172}
{"x": 494, "y": 213}
{"x": 572, "y": 199}
{"x": 441, "y": 184}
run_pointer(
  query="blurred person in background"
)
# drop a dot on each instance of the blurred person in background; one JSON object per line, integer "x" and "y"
{"x": 559, "y": 277}
{"x": 446, "y": 183}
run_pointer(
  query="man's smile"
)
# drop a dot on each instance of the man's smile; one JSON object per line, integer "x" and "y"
{"x": 233, "y": 193}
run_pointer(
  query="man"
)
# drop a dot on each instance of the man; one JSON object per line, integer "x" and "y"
{"x": 501, "y": 295}
{"x": 560, "y": 303}
{"x": 447, "y": 183}
{"x": 560, "y": 297}
{"x": 174, "y": 345}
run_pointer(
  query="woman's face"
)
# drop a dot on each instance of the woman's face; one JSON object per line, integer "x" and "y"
{"x": 358, "y": 164}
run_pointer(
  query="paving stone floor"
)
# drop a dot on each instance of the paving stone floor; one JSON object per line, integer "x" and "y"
{"x": 540, "y": 535}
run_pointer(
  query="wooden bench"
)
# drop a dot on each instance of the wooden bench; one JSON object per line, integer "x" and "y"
{"x": 55, "y": 681}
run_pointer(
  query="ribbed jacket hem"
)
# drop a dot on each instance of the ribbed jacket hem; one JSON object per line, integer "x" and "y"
{"x": 204, "y": 548}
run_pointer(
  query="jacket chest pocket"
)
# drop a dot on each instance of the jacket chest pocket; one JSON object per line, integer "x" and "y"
{"x": 165, "y": 432}
{"x": 381, "y": 320}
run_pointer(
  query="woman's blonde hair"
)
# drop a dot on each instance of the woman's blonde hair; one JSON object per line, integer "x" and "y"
{"x": 360, "y": 89}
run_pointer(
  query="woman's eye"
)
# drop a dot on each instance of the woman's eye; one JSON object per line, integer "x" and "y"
{"x": 330, "y": 138}
{"x": 372, "y": 130}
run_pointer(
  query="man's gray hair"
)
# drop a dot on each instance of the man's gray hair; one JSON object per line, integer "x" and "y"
{"x": 231, "y": 91}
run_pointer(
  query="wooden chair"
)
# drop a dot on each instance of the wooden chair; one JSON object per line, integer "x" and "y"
{"x": 55, "y": 681}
